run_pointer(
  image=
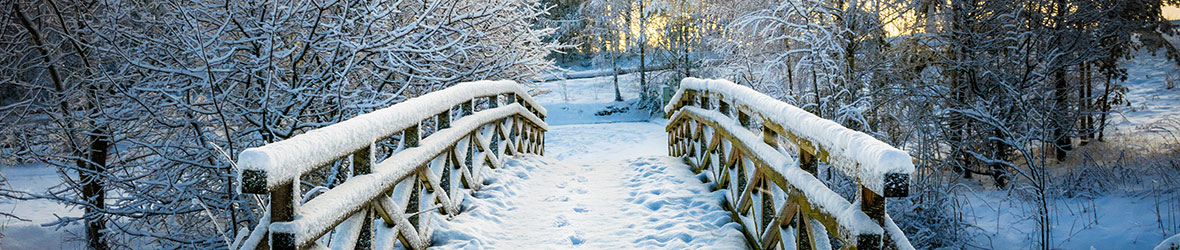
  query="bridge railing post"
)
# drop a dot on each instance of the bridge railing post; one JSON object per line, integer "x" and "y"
{"x": 705, "y": 103}
{"x": 282, "y": 209}
{"x": 723, "y": 107}
{"x": 361, "y": 165}
{"x": 873, "y": 205}
{"x": 804, "y": 238}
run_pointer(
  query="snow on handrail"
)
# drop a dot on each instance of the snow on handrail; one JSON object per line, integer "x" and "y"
{"x": 281, "y": 162}
{"x": 855, "y": 153}
{"x": 320, "y": 214}
{"x": 850, "y": 219}
{"x": 1171, "y": 243}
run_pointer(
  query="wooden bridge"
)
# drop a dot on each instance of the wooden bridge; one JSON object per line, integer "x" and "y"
{"x": 426, "y": 154}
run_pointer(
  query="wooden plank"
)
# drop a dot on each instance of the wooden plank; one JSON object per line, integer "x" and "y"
{"x": 510, "y": 147}
{"x": 443, "y": 120}
{"x": 465, "y": 174}
{"x": 743, "y": 118}
{"x": 361, "y": 165}
{"x": 393, "y": 215}
{"x": 746, "y": 199}
{"x": 348, "y": 234}
{"x": 734, "y": 216}
{"x": 786, "y": 213}
{"x": 804, "y": 237}
{"x": 433, "y": 181}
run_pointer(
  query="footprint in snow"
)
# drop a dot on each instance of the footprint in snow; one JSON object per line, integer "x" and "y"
{"x": 581, "y": 209}
{"x": 560, "y": 221}
{"x": 557, "y": 198}
{"x": 576, "y": 240}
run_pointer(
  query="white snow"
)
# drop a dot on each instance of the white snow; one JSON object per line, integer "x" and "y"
{"x": 16, "y": 234}
{"x": 1150, "y": 99}
{"x": 1112, "y": 221}
{"x": 601, "y": 197}
{"x": 600, "y": 186}
{"x": 580, "y": 101}
{"x": 606, "y": 141}
{"x": 854, "y": 153}
{"x": 1172, "y": 243}
{"x": 288, "y": 159}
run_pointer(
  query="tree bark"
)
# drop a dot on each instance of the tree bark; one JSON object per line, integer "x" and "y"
{"x": 642, "y": 52}
{"x": 1061, "y": 121}
{"x": 93, "y": 190}
{"x": 615, "y": 65}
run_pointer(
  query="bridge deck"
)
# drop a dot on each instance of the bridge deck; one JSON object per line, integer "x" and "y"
{"x": 602, "y": 186}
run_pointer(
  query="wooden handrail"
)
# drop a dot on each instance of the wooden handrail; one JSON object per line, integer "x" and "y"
{"x": 427, "y": 174}
{"x": 278, "y": 163}
{"x": 721, "y": 140}
{"x": 876, "y": 165}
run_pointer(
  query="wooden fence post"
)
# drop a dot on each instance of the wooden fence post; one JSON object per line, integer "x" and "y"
{"x": 803, "y": 237}
{"x": 744, "y": 119}
{"x": 723, "y": 106}
{"x": 494, "y": 147}
{"x": 282, "y": 209}
{"x": 362, "y": 165}
{"x": 873, "y": 205}
{"x": 705, "y": 104}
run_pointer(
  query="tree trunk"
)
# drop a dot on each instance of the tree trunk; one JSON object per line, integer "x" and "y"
{"x": 93, "y": 190}
{"x": 957, "y": 125}
{"x": 88, "y": 172}
{"x": 642, "y": 53}
{"x": 1061, "y": 121}
{"x": 615, "y": 65}
{"x": 1084, "y": 103}
{"x": 1105, "y": 103}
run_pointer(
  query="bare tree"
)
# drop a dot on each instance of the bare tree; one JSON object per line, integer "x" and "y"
{"x": 147, "y": 103}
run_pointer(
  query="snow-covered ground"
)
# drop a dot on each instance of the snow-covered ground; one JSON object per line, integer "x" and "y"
{"x": 19, "y": 234}
{"x": 603, "y": 184}
{"x": 1111, "y": 221}
{"x": 1148, "y": 93}
{"x": 1131, "y": 217}
{"x": 591, "y": 100}
{"x": 652, "y": 202}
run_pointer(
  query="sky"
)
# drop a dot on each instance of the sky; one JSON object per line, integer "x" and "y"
{"x": 1171, "y": 13}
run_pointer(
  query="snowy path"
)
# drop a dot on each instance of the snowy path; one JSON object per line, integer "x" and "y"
{"x": 602, "y": 184}
{"x": 594, "y": 194}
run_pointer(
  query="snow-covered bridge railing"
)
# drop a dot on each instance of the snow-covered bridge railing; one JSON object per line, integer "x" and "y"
{"x": 467, "y": 123}
{"x": 774, "y": 195}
